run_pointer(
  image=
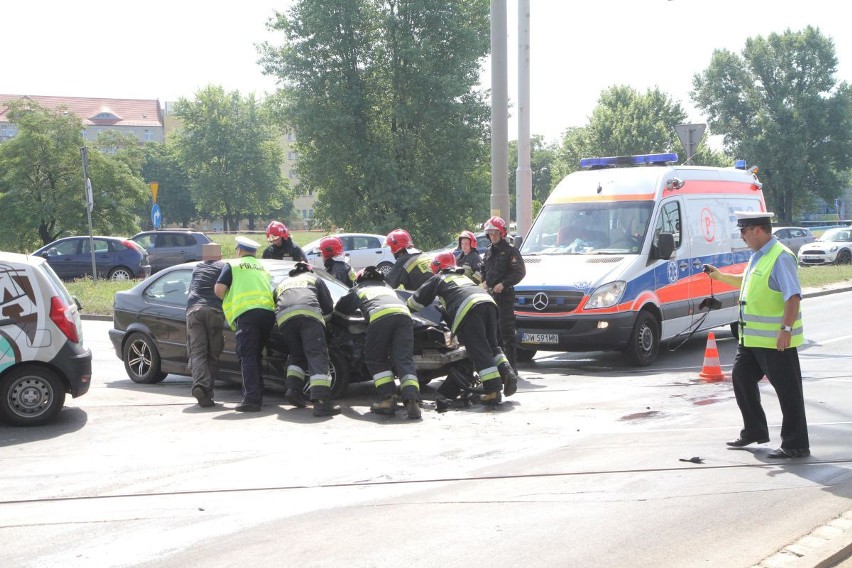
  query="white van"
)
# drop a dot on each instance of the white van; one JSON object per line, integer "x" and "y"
{"x": 41, "y": 342}
{"x": 614, "y": 258}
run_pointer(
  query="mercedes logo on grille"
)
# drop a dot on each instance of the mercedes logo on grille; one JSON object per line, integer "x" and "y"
{"x": 540, "y": 301}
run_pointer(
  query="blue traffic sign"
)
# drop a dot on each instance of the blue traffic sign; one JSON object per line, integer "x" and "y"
{"x": 156, "y": 217}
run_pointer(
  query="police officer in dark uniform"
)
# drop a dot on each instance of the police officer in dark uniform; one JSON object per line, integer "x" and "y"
{"x": 303, "y": 305}
{"x": 334, "y": 260}
{"x": 502, "y": 268}
{"x": 245, "y": 288}
{"x": 390, "y": 338}
{"x": 411, "y": 269}
{"x": 281, "y": 243}
{"x": 472, "y": 316}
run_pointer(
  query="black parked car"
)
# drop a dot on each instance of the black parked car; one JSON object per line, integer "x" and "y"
{"x": 149, "y": 335}
{"x": 168, "y": 247}
{"x": 115, "y": 258}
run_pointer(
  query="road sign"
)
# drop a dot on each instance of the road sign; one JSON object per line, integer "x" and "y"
{"x": 90, "y": 200}
{"x": 156, "y": 217}
{"x": 690, "y": 136}
{"x": 154, "y": 187}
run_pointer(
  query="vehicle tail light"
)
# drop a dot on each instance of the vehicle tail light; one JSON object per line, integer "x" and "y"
{"x": 134, "y": 246}
{"x": 63, "y": 316}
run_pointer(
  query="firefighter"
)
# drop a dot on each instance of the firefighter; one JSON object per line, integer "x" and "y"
{"x": 472, "y": 316}
{"x": 281, "y": 244}
{"x": 390, "y": 338}
{"x": 412, "y": 266}
{"x": 335, "y": 261}
{"x": 303, "y": 305}
{"x": 469, "y": 258}
{"x": 502, "y": 268}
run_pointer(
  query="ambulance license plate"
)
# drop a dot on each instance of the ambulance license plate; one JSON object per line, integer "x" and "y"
{"x": 548, "y": 338}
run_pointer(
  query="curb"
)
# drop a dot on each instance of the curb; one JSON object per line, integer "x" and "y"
{"x": 825, "y": 547}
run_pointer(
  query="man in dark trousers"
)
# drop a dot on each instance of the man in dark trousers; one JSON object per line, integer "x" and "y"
{"x": 770, "y": 328}
{"x": 411, "y": 268}
{"x": 303, "y": 305}
{"x": 334, "y": 260}
{"x": 281, "y": 244}
{"x": 245, "y": 288}
{"x": 390, "y": 338}
{"x": 502, "y": 268}
{"x": 204, "y": 324}
{"x": 472, "y": 316}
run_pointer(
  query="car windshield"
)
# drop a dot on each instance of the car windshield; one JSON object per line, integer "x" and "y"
{"x": 836, "y": 236}
{"x": 589, "y": 228}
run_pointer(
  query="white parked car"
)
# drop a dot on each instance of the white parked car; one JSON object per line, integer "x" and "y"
{"x": 833, "y": 247}
{"x": 793, "y": 237}
{"x": 363, "y": 249}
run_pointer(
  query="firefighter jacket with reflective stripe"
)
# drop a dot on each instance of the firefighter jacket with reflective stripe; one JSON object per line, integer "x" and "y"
{"x": 303, "y": 295}
{"x": 251, "y": 288}
{"x": 763, "y": 307}
{"x": 411, "y": 270}
{"x": 341, "y": 270}
{"x": 375, "y": 299}
{"x": 457, "y": 293}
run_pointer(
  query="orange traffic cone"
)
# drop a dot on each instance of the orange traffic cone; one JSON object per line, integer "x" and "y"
{"x": 712, "y": 370}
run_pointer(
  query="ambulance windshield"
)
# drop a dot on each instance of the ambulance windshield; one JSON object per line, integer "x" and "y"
{"x": 589, "y": 228}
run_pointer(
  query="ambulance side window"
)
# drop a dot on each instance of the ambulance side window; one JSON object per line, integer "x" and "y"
{"x": 669, "y": 221}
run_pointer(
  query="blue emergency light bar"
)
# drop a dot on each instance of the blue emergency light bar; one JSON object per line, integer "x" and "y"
{"x": 740, "y": 164}
{"x": 642, "y": 159}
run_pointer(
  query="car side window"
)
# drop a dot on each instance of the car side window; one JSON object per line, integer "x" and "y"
{"x": 171, "y": 288}
{"x": 183, "y": 240}
{"x": 100, "y": 246}
{"x": 782, "y": 234}
{"x": 669, "y": 222}
{"x": 66, "y": 248}
{"x": 145, "y": 241}
{"x": 361, "y": 243}
{"x": 373, "y": 243}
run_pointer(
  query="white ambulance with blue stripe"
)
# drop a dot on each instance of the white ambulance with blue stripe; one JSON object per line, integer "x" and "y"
{"x": 614, "y": 258}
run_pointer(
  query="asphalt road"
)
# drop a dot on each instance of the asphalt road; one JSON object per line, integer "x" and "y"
{"x": 582, "y": 467}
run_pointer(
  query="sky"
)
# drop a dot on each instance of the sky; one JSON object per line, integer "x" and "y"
{"x": 165, "y": 50}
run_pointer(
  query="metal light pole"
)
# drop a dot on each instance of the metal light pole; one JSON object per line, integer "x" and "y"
{"x": 499, "y": 112}
{"x": 523, "y": 175}
{"x": 90, "y": 202}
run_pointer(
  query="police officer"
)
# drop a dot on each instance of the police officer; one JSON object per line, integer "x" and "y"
{"x": 281, "y": 243}
{"x": 469, "y": 258}
{"x": 390, "y": 332}
{"x": 303, "y": 305}
{"x": 411, "y": 269}
{"x": 335, "y": 261}
{"x": 472, "y": 316}
{"x": 204, "y": 324}
{"x": 770, "y": 331}
{"x": 245, "y": 288}
{"x": 502, "y": 268}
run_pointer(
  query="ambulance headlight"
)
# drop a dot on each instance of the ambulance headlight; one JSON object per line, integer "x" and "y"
{"x": 607, "y": 295}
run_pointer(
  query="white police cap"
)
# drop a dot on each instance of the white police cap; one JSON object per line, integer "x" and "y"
{"x": 247, "y": 244}
{"x": 749, "y": 218}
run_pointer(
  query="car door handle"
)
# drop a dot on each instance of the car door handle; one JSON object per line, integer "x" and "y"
{"x": 378, "y": 252}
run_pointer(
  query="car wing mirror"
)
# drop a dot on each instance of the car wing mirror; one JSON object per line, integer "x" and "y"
{"x": 77, "y": 303}
{"x": 665, "y": 246}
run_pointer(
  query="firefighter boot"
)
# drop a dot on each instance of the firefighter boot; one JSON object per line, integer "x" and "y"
{"x": 412, "y": 406}
{"x": 510, "y": 378}
{"x": 490, "y": 399}
{"x": 325, "y": 408}
{"x": 386, "y": 406}
{"x": 296, "y": 397}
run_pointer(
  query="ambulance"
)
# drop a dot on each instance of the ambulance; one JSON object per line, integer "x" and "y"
{"x": 615, "y": 257}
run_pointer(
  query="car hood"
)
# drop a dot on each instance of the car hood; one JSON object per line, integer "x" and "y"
{"x": 823, "y": 246}
{"x": 573, "y": 272}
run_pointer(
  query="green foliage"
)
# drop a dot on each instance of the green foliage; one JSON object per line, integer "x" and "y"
{"x": 542, "y": 159}
{"x": 231, "y": 154}
{"x": 42, "y": 194}
{"x": 391, "y": 129}
{"x": 780, "y": 107}
{"x": 163, "y": 165}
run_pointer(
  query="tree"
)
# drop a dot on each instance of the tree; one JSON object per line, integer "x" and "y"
{"x": 42, "y": 194}
{"x": 382, "y": 94}
{"x": 163, "y": 165}
{"x": 542, "y": 158}
{"x": 779, "y": 106}
{"x": 230, "y": 150}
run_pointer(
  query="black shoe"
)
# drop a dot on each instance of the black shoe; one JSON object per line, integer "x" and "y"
{"x": 325, "y": 408}
{"x": 412, "y": 405}
{"x": 248, "y": 407}
{"x": 787, "y": 453}
{"x": 296, "y": 397}
{"x": 204, "y": 399}
{"x": 742, "y": 442}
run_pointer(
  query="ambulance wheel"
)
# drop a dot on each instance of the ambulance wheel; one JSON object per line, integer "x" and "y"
{"x": 31, "y": 395}
{"x": 644, "y": 344}
{"x": 525, "y": 355}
